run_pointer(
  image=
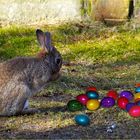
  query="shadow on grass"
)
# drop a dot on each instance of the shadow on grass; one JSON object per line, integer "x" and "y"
{"x": 125, "y": 127}
{"x": 100, "y": 120}
{"x": 53, "y": 109}
{"x": 122, "y": 131}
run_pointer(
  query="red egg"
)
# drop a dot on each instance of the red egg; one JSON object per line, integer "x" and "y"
{"x": 122, "y": 102}
{"x": 82, "y": 98}
{"x": 113, "y": 94}
{"x": 135, "y": 111}
{"x": 91, "y": 89}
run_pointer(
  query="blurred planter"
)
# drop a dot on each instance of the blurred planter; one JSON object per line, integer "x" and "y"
{"x": 110, "y": 11}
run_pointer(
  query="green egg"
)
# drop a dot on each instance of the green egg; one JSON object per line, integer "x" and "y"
{"x": 74, "y": 105}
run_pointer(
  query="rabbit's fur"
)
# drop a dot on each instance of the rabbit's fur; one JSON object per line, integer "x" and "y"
{"x": 23, "y": 77}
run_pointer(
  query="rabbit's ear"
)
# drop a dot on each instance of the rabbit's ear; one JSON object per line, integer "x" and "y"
{"x": 48, "y": 42}
{"x": 40, "y": 37}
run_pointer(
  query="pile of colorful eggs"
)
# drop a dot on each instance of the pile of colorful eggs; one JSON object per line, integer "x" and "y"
{"x": 126, "y": 100}
{"x": 89, "y": 99}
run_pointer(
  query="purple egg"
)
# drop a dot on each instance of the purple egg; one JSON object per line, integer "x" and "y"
{"x": 129, "y": 105}
{"x": 107, "y": 102}
{"x": 127, "y": 94}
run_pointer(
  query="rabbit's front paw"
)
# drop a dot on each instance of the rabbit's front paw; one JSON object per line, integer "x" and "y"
{"x": 26, "y": 105}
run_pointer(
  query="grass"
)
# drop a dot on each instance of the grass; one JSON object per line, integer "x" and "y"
{"x": 94, "y": 55}
{"x": 16, "y": 41}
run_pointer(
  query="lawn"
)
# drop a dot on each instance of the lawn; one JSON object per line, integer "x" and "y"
{"x": 94, "y": 55}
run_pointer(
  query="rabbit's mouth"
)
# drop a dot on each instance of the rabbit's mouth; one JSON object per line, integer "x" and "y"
{"x": 55, "y": 76}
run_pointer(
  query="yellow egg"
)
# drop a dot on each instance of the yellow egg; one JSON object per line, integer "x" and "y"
{"x": 136, "y": 96}
{"x": 92, "y": 104}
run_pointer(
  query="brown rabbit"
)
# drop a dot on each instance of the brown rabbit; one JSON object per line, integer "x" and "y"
{"x": 23, "y": 77}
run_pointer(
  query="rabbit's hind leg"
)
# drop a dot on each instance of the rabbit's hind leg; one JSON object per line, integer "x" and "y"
{"x": 14, "y": 99}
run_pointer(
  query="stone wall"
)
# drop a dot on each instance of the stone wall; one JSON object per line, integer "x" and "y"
{"x": 59, "y": 11}
{"x": 34, "y": 11}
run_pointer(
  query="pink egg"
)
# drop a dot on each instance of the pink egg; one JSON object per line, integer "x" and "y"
{"x": 135, "y": 111}
{"x": 82, "y": 98}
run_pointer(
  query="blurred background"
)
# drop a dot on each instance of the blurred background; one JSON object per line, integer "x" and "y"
{"x": 60, "y": 11}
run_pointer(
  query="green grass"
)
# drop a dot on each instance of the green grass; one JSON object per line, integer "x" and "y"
{"x": 105, "y": 57}
{"x": 17, "y": 41}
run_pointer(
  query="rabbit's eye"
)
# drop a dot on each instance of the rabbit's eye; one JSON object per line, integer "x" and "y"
{"x": 58, "y": 61}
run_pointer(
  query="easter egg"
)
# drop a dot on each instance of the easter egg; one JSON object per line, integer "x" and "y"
{"x": 107, "y": 102}
{"x": 82, "y": 120}
{"x": 91, "y": 89}
{"x": 92, "y": 104}
{"x": 127, "y": 94}
{"x": 137, "y": 85}
{"x": 138, "y": 103}
{"x": 92, "y": 95}
{"x": 129, "y": 106}
{"x": 137, "y": 89}
{"x": 135, "y": 111}
{"x": 113, "y": 94}
{"x": 74, "y": 105}
{"x": 137, "y": 96}
{"x": 82, "y": 98}
{"x": 136, "y": 100}
{"x": 122, "y": 102}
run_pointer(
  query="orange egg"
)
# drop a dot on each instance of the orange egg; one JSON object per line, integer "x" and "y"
{"x": 137, "y": 85}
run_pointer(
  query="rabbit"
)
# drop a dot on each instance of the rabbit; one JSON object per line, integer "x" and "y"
{"x": 23, "y": 77}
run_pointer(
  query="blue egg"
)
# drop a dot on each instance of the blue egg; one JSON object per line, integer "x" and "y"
{"x": 137, "y": 89}
{"x": 92, "y": 95}
{"x": 82, "y": 120}
{"x": 138, "y": 103}
{"x": 129, "y": 106}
